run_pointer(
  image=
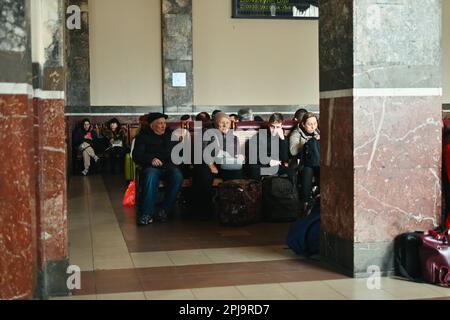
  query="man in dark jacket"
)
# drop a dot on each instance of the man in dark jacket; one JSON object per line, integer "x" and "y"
{"x": 152, "y": 151}
{"x": 271, "y": 154}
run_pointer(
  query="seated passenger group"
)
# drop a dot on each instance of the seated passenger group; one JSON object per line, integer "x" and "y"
{"x": 266, "y": 153}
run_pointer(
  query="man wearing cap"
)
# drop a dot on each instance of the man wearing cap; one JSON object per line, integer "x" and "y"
{"x": 152, "y": 151}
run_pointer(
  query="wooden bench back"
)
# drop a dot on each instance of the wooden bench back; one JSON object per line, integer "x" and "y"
{"x": 243, "y": 130}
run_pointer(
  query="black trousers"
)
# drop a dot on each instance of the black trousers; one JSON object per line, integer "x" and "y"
{"x": 116, "y": 157}
{"x": 306, "y": 181}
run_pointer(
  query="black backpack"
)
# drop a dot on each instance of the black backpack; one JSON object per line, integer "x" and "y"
{"x": 280, "y": 199}
{"x": 311, "y": 153}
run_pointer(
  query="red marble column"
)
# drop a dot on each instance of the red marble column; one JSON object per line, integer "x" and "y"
{"x": 49, "y": 86}
{"x": 381, "y": 127}
{"x": 33, "y": 228}
{"x": 391, "y": 149}
{"x": 52, "y": 212}
{"x": 17, "y": 198}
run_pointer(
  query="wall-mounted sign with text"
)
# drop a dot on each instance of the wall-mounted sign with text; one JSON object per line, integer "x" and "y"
{"x": 276, "y": 9}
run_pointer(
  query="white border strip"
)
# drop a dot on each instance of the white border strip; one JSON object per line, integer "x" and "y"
{"x": 16, "y": 88}
{"x": 45, "y": 94}
{"x": 27, "y": 89}
{"x": 382, "y": 92}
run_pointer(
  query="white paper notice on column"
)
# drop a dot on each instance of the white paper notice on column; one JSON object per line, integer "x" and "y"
{"x": 179, "y": 79}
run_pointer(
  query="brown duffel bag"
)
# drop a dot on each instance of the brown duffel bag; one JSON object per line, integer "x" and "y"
{"x": 238, "y": 202}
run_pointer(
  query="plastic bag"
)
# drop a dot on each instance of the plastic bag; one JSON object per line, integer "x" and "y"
{"x": 129, "y": 199}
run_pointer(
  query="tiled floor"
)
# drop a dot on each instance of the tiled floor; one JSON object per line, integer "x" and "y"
{"x": 187, "y": 259}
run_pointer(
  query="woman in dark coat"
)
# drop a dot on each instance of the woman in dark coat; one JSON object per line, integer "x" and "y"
{"x": 84, "y": 139}
{"x": 116, "y": 138}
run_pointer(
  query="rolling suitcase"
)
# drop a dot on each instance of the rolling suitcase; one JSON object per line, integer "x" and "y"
{"x": 130, "y": 168}
{"x": 238, "y": 202}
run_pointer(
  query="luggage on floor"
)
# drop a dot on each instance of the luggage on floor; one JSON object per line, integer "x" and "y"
{"x": 280, "y": 199}
{"x": 238, "y": 202}
{"x": 130, "y": 168}
{"x": 303, "y": 236}
{"x": 434, "y": 253}
{"x": 406, "y": 255}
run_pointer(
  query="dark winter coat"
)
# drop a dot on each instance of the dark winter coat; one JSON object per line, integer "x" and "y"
{"x": 149, "y": 146}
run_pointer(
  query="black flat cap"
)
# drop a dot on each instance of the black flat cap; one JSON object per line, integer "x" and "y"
{"x": 152, "y": 116}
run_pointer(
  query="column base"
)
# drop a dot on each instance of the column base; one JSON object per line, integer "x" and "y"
{"x": 52, "y": 280}
{"x": 354, "y": 259}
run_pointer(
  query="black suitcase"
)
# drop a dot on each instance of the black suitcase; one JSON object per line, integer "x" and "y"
{"x": 406, "y": 255}
{"x": 280, "y": 199}
{"x": 238, "y": 202}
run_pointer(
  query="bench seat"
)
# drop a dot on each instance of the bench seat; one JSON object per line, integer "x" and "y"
{"x": 187, "y": 183}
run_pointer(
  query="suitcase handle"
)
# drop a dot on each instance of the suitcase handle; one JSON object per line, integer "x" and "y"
{"x": 439, "y": 236}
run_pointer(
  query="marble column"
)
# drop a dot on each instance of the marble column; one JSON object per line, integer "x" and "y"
{"x": 177, "y": 54}
{"x": 380, "y": 83}
{"x": 17, "y": 194}
{"x": 78, "y": 92}
{"x": 48, "y": 21}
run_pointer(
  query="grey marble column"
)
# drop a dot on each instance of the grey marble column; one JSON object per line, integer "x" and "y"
{"x": 380, "y": 83}
{"x": 15, "y": 42}
{"x": 177, "y": 54}
{"x": 77, "y": 64}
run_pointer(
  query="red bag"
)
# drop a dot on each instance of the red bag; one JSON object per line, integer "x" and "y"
{"x": 435, "y": 257}
{"x": 129, "y": 198}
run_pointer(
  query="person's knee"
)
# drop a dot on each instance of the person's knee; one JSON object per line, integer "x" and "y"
{"x": 151, "y": 176}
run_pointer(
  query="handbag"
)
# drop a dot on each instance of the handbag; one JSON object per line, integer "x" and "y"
{"x": 434, "y": 254}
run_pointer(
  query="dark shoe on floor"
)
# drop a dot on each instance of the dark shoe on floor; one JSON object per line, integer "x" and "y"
{"x": 161, "y": 216}
{"x": 144, "y": 220}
